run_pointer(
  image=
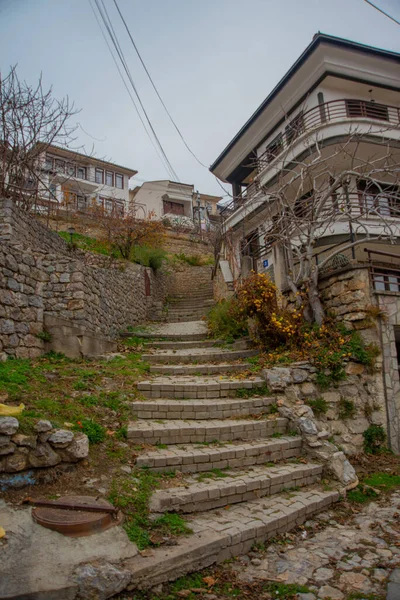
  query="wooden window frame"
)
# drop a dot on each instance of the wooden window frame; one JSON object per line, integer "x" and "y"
{"x": 79, "y": 168}
{"x": 117, "y": 175}
{"x": 107, "y": 173}
{"x": 96, "y": 171}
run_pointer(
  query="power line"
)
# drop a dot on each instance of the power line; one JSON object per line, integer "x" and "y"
{"x": 126, "y": 87}
{"x": 382, "y": 11}
{"x": 111, "y": 32}
{"x": 108, "y": 24}
{"x": 159, "y": 96}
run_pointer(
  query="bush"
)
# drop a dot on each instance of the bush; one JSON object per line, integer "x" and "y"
{"x": 319, "y": 406}
{"x": 95, "y": 432}
{"x": 223, "y": 321}
{"x": 274, "y": 326}
{"x": 148, "y": 257}
{"x": 374, "y": 439}
{"x": 347, "y": 409}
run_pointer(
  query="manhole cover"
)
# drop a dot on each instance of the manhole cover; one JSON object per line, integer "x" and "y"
{"x": 75, "y": 516}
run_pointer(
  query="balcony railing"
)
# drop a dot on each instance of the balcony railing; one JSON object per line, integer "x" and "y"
{"x": 335, "y": 110}
{"x": 247, "y": 194}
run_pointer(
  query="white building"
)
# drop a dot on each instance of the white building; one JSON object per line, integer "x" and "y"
{"x": 77, "y": 181}
{"x": 167, "y": 197}
{"x": 339, "y": 101}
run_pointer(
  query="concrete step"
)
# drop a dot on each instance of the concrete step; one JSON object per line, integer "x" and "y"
{"x": 194, "y": 458}
{"x": 191, "y": 302}
{"x": 219, "y": 408}
{"x": 175, "y": 345}
{"x": 199, "y": 313}
{"x": 185, "y": 319}
{"x": 157, "y": 337}
{"x": 207, "y": 369}
{"x": 233, "y": 487}
{"x": 189, "y": 387}
{"x": 197, "y": 355}
{"x": 218, "y": 536}
{"x": 172, "y": 431}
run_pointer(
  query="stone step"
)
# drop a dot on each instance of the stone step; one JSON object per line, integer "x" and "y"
{"x": 175, "y": 345}
{"x": 193, "y": 458}
{"x": 220, "y": 535}
{"x": 207, "y": 369}
{"x": 191, "y": 302}
{"x": 185, "y": 319}
{"x": 220, "y": 408}
{"x": 234, "y": 487}
{"x": 157, "y": 337}
{"x": 189, "y": 432}
{"x": 197, "y": 355}
{"x": 190, "y": 387}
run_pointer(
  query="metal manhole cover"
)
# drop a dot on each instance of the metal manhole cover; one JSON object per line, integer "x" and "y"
{"x": 75, "y": 516}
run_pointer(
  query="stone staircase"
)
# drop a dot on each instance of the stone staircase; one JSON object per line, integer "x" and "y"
{"x": 237, "y": 456}
{"x": 191, "y": 307}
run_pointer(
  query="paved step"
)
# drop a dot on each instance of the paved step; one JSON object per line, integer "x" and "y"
{"x": 187, "y": 319}
{"x": 220, "y": 408}
{"x": 191, "y": 302}
{"x": 188, "y": 387}
{"x": 197, "y": 356}
{"x": 207, "y": 369}
{"x": 220, "y": 535}
{"x": 189, "y": 432}
{"x": 238, "y": 455}
{"x": 239, "y": 486}
{"x": 175, "y": 345}
{"x": 167, "y": 338}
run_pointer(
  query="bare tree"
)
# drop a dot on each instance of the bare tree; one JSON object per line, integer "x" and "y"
{"x": 348, "y": 192}
{"x": 31, "y": 120}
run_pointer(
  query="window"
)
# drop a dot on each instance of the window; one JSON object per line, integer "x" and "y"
{"x": 173, "y": 208}
{"x": 274, "y": 148}
{"x": 119, "y": 181}
{"x": 81, "y": 202}
{"x": 119, "y": 208}
{"x": 294, "y": 128}
{"x": 53, "y": 191}
{"x": 303, "y": 205}
{"x": 71, "y": 170}
{"x": 60, "y": 166}
{"x": 99, "y": 176}
{"x": 371, "y": 110}
{"x": 110, "y": 178}
{"x": 108, "y": 205}
{"x": 81, "y": 172}
{"x": 380, "y": 199}
{"x": 48, "y": 163}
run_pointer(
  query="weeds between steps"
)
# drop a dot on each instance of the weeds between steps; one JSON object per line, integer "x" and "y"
{"x": 132, "y": 494}
{"x": 261, "y": 390}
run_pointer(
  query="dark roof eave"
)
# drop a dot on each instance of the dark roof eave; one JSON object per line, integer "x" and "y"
{"x": 318, "y": 39}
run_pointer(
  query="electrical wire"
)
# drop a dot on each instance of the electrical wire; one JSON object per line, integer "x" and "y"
{"x": 127, "y": 88}
{"x": 114, "y": 39}
{"x": 160, "y": 98}
{"x": 108, "y": 24}
{"x": 382, "y": 11}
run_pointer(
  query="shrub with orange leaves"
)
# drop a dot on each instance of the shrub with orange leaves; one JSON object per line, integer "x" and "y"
{"x": 274, "y": 325}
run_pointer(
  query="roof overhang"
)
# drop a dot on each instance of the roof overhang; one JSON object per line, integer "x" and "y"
{"x": 326, "y": 55}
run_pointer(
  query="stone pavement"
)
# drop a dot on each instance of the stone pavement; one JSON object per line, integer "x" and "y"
{"x": 339, "y": 561}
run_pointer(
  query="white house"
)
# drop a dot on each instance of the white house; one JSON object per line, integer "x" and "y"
{"x": 339, "y": 103}
{"x": 77, "y": 181}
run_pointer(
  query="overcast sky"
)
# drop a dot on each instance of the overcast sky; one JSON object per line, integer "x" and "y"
{"x": 214, "y": 61}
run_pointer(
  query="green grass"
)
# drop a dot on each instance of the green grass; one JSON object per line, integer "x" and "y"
{"x": 213, "y": 473}
{"x": 261, "y": 390}
{"x": 319, "y": 406}
{"x": 365, "y": 491}
{"x": 347, "y": 409}
{"x": 62, "y": 390}
{"x": 132, "y": 494}
{"x": 84, "y": 242}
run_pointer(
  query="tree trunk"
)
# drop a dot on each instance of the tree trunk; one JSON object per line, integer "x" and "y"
{"x": 314, "y": 299}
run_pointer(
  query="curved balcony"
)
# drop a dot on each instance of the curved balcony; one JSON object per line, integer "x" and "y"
{"x": 346, "y": 109}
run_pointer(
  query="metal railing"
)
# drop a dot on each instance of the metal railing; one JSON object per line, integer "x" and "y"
{"x": 247, "y": 194}
{"x": 334, "y": 110}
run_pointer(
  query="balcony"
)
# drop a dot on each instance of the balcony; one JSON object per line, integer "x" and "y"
{"x": 385, "y": 272}
{"x": 246, "y": 196}
{"x": 329, "y": 112}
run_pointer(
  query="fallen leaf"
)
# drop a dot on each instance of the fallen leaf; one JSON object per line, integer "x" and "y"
{"x": 210, "y": 581}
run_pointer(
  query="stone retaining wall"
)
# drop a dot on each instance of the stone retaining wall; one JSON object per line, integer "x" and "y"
{"x": 40, "y": 276}
{"x": 295, "y": 385}
{"x": 189, "y": 244}
{"x": 46, "y": 447}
